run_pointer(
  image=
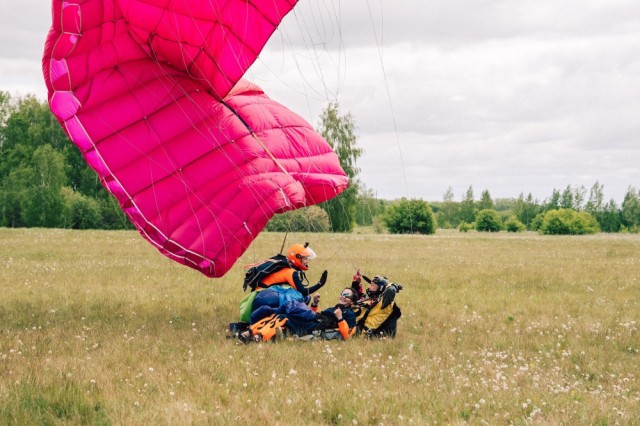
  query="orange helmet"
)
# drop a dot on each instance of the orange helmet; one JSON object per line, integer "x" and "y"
{"x": 298, "y": 255}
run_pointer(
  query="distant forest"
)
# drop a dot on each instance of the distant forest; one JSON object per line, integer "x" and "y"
{"x": 44, "y": 182}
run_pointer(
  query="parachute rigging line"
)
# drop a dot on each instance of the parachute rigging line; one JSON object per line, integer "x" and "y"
{"x": 162, "y": 176}
{"x": 393, "y": 114}
{"x": 284, "y": 241}
{"x": 257, "y": 139}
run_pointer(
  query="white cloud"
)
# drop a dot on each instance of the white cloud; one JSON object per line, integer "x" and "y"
{"x": 513, "y": 97}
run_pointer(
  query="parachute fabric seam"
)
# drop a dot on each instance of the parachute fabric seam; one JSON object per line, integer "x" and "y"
{"x": 158, "y": 160}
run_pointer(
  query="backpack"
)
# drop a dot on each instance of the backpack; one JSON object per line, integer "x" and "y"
{"x": 255, "y": 274}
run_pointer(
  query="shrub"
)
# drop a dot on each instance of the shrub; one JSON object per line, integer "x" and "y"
{"x": 536, "y": 222}
{"x": 465, "y": 226}
{"x": 80, "y": 212}
{"x": 307, "y": 219}
{"x": 568, "y": 222}
{"x": 630, "y": 230}
{"x": 410, "y": 217}
{"x": 488, "y": 220}
{"x": 112, "y": 216}
{"x": 514, "y": 225}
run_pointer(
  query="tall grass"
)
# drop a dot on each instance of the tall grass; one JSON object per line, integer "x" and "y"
{"x": 98, "y": 328}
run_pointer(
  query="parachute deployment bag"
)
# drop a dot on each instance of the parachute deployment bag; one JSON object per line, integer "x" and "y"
{"x": 256, "y": 274}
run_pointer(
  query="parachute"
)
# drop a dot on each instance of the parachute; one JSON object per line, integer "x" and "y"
{"x": 151, "y": 92}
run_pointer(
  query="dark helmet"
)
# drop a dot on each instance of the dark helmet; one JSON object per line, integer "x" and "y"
{"x": 381, "y": 282}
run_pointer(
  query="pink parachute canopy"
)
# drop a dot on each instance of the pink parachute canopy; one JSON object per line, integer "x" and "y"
{"x": 151, "y": 93}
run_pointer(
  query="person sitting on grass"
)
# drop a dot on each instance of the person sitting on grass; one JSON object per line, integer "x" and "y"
{"x": 275, "y": 282}
{"x": 379, "y": 313}
{"x": 305, "y": 322}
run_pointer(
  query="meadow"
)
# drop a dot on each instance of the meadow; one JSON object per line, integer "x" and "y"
{"x": 96, "y": 327}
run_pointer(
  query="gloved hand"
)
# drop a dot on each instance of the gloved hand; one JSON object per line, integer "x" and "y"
{"x": 357, "y": 277}
{"x": 323, "y": 278}
{"x": 396, "y": 287}
{"x": 389, "y": 294}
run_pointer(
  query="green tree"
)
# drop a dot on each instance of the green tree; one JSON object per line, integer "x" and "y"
{"x": 112, "y": 216}
{"x": 610, "y": 219}
{"x": 595, "y": 203}
{"x": 43, "y": 202}
{"x": 579, "y": 193}
{"x": 80, "y": 211}
{"x": 468, "y": 207}
{"x": 410, "y": 217}
{"x": 526, "y": 209}
{"x": 536, "y": 222}
{"x": 631, "y": 210}
{"x": 367, "y": 206}
{"x": 339, "y": 131}
{"x": 505, "y": 204}
{"x": 466, "y": 226}
{"x": 13, "y": 193}
{"x": 308, "y": 219}
{"x": 29, "y": 125}
{"x": 448, "y": 213}
{"x": 486, "y": 202}
{"x": 488, "y": 220}
{"x": 568, "y": 222}
{"x": 553, "y": 203}
{"x": 5, "y": 112}
{"x": 566, "y": 199}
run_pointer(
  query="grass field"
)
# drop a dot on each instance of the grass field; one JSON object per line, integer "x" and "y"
{"x": 99, "y": 328}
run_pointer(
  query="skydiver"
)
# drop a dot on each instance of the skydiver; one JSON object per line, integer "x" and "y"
{"x": 305, "y": 322}
{"x": 379, "y": 313}
{"x": 285, "y": 284}
{"x": 298, "y": 256}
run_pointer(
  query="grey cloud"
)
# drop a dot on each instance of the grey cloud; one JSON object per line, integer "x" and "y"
{"x": 511, "y": 96}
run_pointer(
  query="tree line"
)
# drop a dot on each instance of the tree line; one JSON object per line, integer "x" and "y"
{"x": 573, "y": 210}
{"x": 45, "y": 182}
{"x": 530, "y": 212}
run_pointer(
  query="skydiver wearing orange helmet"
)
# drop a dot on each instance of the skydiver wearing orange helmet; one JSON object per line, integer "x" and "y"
{"x": 298, "y": 256}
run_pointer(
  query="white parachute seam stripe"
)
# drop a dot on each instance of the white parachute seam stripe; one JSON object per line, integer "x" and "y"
{"x": 255, "y": 195}
{"x": 147, "y": 222}
{"x": 142, "y": 216}
{"x": 111, "y": 176}
{"x": 285, "y": 198}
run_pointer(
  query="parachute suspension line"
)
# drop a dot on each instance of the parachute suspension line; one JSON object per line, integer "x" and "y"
{"x": 284, "y": 241}
{"x": 238, "y": 169}
{"x": 393, "y": 115}
{"x": 325, "y": 93}
{"x": 315, "y": 47}
{"x": 131, "y": 143}
{"x": 310, "y": 225}
{"x": 178, "y": 174}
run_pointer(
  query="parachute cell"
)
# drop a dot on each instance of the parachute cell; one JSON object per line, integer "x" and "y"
{"x": 198, "y": 159}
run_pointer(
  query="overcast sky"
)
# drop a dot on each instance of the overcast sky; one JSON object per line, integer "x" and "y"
{"x": 506, "y": 95}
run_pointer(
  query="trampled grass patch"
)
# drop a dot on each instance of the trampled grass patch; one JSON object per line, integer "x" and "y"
{"x": 97, "y": 327}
